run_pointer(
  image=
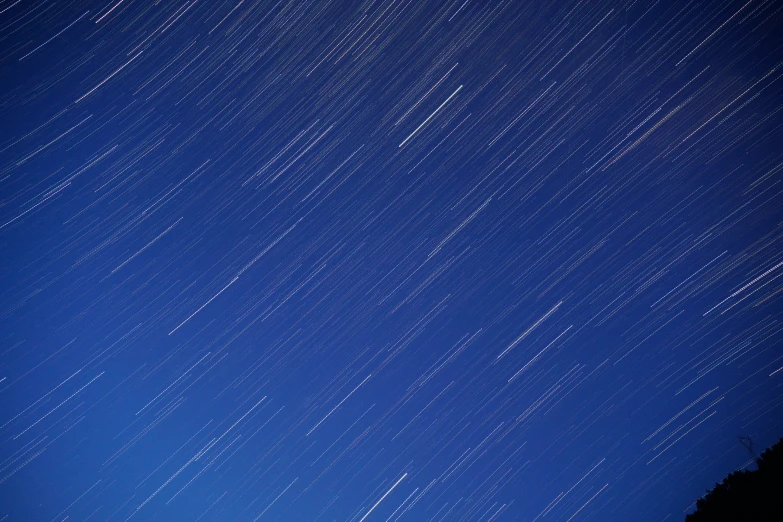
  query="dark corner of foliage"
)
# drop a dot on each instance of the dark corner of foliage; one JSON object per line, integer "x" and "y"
{"x": 747, "y": 496}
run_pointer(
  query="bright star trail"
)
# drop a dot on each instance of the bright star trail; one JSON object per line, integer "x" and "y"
{"x": 386, "y": 261}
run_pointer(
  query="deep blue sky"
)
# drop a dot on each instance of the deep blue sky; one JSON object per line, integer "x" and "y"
{"x": 378, "y": 261}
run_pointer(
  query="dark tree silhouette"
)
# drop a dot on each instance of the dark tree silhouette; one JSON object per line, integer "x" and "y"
{"x": 746, "y": 496}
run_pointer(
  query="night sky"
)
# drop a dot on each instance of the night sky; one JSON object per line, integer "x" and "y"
{"x": 386, "y": 260}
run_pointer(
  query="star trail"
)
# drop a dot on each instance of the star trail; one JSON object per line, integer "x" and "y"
{"x": 386, "y": 261}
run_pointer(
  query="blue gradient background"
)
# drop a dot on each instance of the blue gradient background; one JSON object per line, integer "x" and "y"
{"x": 316, "y": 261}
